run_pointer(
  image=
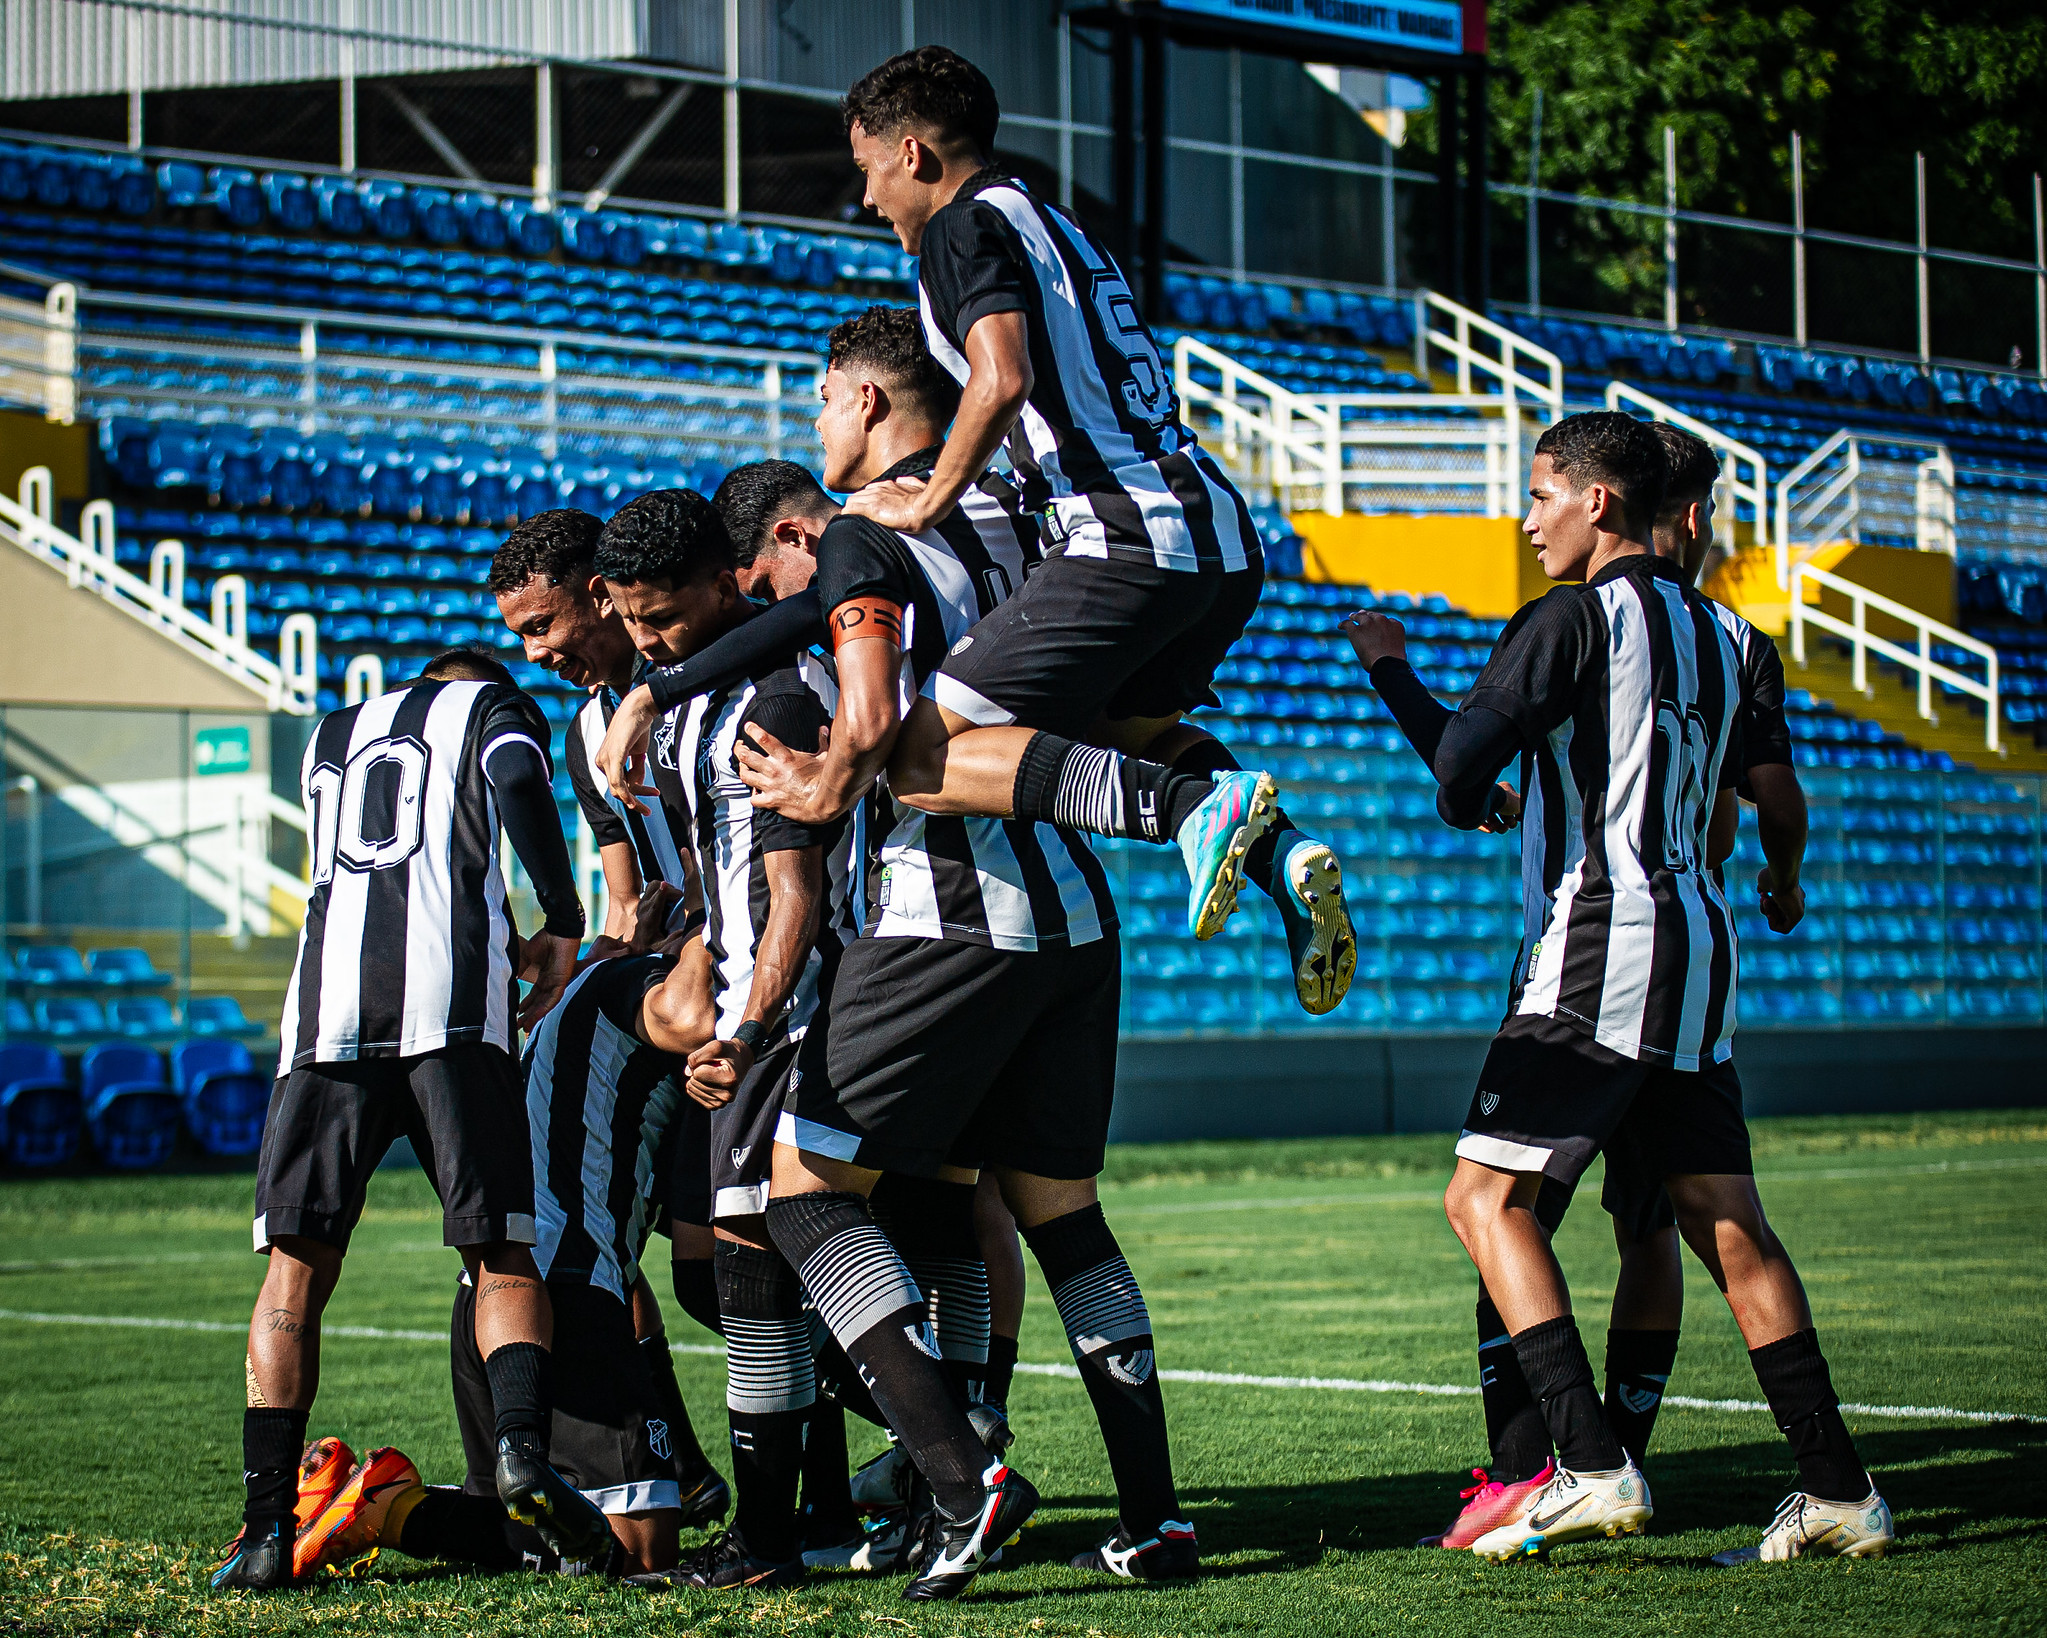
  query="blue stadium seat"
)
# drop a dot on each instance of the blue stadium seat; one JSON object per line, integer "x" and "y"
{"x": 217, "y": 1015}
{"x": 226, "y": 1112}
{"x": 216, "y": 1055}
{"x": 40, "y": 1113}
{"x": 143, "y": 1017}
{"x": 50, "y": 966}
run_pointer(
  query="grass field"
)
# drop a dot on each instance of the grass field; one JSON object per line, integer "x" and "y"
{"x": 1920, "y": 1240}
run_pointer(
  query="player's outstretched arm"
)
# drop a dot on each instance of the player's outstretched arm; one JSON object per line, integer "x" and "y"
{"x": 816, "y": 788}
{"x": 795, "y": 896}
{"x": 999, "y": 382}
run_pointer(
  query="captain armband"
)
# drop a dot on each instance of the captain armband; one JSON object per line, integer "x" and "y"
{"x": 866, "y": 617}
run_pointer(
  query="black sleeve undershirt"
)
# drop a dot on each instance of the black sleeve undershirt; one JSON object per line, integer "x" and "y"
{"x": 781, "y": 629}
{"x": 1464, "y": 749}
{"x": 517, "y": 771}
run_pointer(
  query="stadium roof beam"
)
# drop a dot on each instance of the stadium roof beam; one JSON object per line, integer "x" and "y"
{"x": 435, "y": 138}
{"x": 643, "y": 139}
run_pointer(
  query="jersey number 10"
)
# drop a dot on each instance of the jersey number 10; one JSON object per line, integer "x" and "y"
{"x": 339, "y": 798}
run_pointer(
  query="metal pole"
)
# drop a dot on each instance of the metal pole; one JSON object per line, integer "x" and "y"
{"x": 1153, "y": 246}
{"x": 134, "y": 79}
{"x": 1798, "y": 238}
{"x": 2039, "y": 282}
{"x": 732, "y": 108}
{"x": 1449, "y": 193}
{"x": 1669, "y": 227}
{"x": 348, "y": 86}
{"x": 909, "y": 25}
{"x": 1534, "y": 229}
{"x": 543, "y": 137}
{"x": 1065, "y": 111}
{"x": 32, "y": 895}
{"x": 1236, "y": 162}
{"x": 1389, "y": 248}
{"x": 1925, "y": 292}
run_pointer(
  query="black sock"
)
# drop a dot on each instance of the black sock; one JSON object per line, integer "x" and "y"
{"x": 688, "y": 1455}
{"x": 1515, "y": 1431}
{"x": 827, "y": 1516}
{"x": 769, "y": 1389}
{"x": 1206, "y": 757}
{"x": 1637, "y": 1370}
{"x": 1793, "y": 1375}
{"x": 1106, "y": 792}
{"x": 1553, "y": 1359}
{"x": 272, "y": 1442}
{"x": 696, "y": 1288}
{"x": 857, "y": 1281}
{"x": 452, "y": 1524}
{"x": 931, "y": 1223}
{"x": 838, "y": 1381}
{"x": 1001, "y": 1371}
{"x": 521, "y": 1389}
{"x": 1110, "y": 1333}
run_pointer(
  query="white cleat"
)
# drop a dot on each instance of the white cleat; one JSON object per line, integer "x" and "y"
{"x": 1571, "y": 1507}
{"x": 1808, "y": 1525}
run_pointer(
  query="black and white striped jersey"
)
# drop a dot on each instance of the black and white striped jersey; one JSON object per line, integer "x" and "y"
{"x": 699, "y": 783}
{"x": 1627, "y": 692}
{"x": 599, "y": 1100}
{"x": 1765, "y": 731}
{"x": 1004, "y": 883}
{"x": 1100, "y": 441}
{"x": 407, "y": 944}
{"x": 656, "y": 849}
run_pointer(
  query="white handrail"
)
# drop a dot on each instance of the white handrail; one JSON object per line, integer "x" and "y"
{"x": 28, "y": 524}
{"x": 1835, "y": 510}
{"x": 1313, "y": 446}
{"x": 1865, "y": 642}
{"x": 1753, "y": 488}
{"x": 1505, "y": 370}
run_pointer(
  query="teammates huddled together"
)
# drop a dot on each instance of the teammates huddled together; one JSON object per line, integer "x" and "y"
{"x": 849, "y": 1028}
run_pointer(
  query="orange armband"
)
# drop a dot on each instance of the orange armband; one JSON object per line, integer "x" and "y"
{"x": 859, "y": 617}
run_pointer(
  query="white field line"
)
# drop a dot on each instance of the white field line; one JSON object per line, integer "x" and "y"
{"x": 1232, "y": 1379}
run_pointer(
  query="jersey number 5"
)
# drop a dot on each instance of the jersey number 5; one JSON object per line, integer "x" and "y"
{"x": 339, "y": 797}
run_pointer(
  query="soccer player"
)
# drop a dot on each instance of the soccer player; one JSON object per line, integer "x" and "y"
{"x": 1621, "y": 690}
{"x": 781, "y": 900}
{"x": 973, "y": 1025}
{"x": 551, "y": 597}
{"x": 398, "y": 1021}
{"x": 1648, "y": 1302}
{"x": 1152, "y": 565}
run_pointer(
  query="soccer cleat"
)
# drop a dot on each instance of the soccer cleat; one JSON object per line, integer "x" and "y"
{"x": 353, "y": 1522}
{"x": 882, "y": 1485}
{"x": 1488, "y": 1503}
{"x": 863, "y": 1550}
{"x": 1214, "y": 839}
{"x": 1171, "y": 1555}
{"x": 1319, "y": 936}
{"x": 1806, "y": 1525}
{"x": 991, "y": 1424}
{"x": 323, "y": 1469}
{"x": 709, "y": 1502}
{"x": 964, "y": 1547}
{"x": 537, "y": 1496}
{"x": 1570, "y": 1507}
{"x": 260, "y": 1560}
{"x": 724, "y": 1565}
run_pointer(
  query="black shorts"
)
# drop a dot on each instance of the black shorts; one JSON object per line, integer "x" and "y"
{"x": 1091, "y": 637}
{"x": 608, "y": 1438}
{"x": 1635, "y": 1200}
{"x": 742, "y": 1135}
{"x": 939, "y": 1053}
{"x": 1550, "y": 1098}
{"x": 330, "y": 1124}
{"x": 684, "y": 1163}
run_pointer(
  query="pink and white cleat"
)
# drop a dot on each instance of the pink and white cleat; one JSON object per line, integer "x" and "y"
{"x": 1487, "y": 1504}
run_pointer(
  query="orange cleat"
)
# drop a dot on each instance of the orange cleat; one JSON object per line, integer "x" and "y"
{"x": 323, "y": 1469}
{"x": 382, "y": 1484}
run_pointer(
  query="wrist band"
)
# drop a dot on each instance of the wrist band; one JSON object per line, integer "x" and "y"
{"x": 750, "y": 1034}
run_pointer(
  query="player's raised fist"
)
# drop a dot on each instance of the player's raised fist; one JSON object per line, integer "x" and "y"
{"x": 1375, "y": 637}
{"x": 715, "y": 1070}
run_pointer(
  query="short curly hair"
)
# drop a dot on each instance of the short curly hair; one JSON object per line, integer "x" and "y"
{"x": 929, "y": 90}
{"x": 757, "y": 496}
{"x": 1690, "y": 469}
{"x": 888, "y": 342}
{"x": 671, "y": 536}
{"x": 1605, "y": 446}
{"x": 558, "y": 545}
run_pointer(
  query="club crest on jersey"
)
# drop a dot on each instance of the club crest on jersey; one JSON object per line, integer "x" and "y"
{"x": 1133, "y": 1370}
{"x": 664, "y": 741}
{"x": 1488, "y": 1102}
{"x": 657, "y": 1439}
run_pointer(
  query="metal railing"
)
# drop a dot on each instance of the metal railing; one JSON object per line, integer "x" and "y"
{"x": 1847, "y": 490}
{"x": 1744, "y": 474}
{"x": 563, "y": 391}
{"x": 1505, "y": 370}
{"x": 1277, "y": 441}
{"x": 38, "y": 349}
{"x": 285, "y": 684}
{"x": 1863, "y": 642}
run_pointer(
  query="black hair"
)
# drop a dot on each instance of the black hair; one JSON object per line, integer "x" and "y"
{"x": 467, "y": 665}
{"x": 757, "y": 496}
{"x": 1605, "y": 446}
{"x": 1690, "y": 469}
{"x": 889, "y": 341}
{"x": 929, "y": 90}
{"x": 558, "y": 545}
{"x": 671, "y": 535}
